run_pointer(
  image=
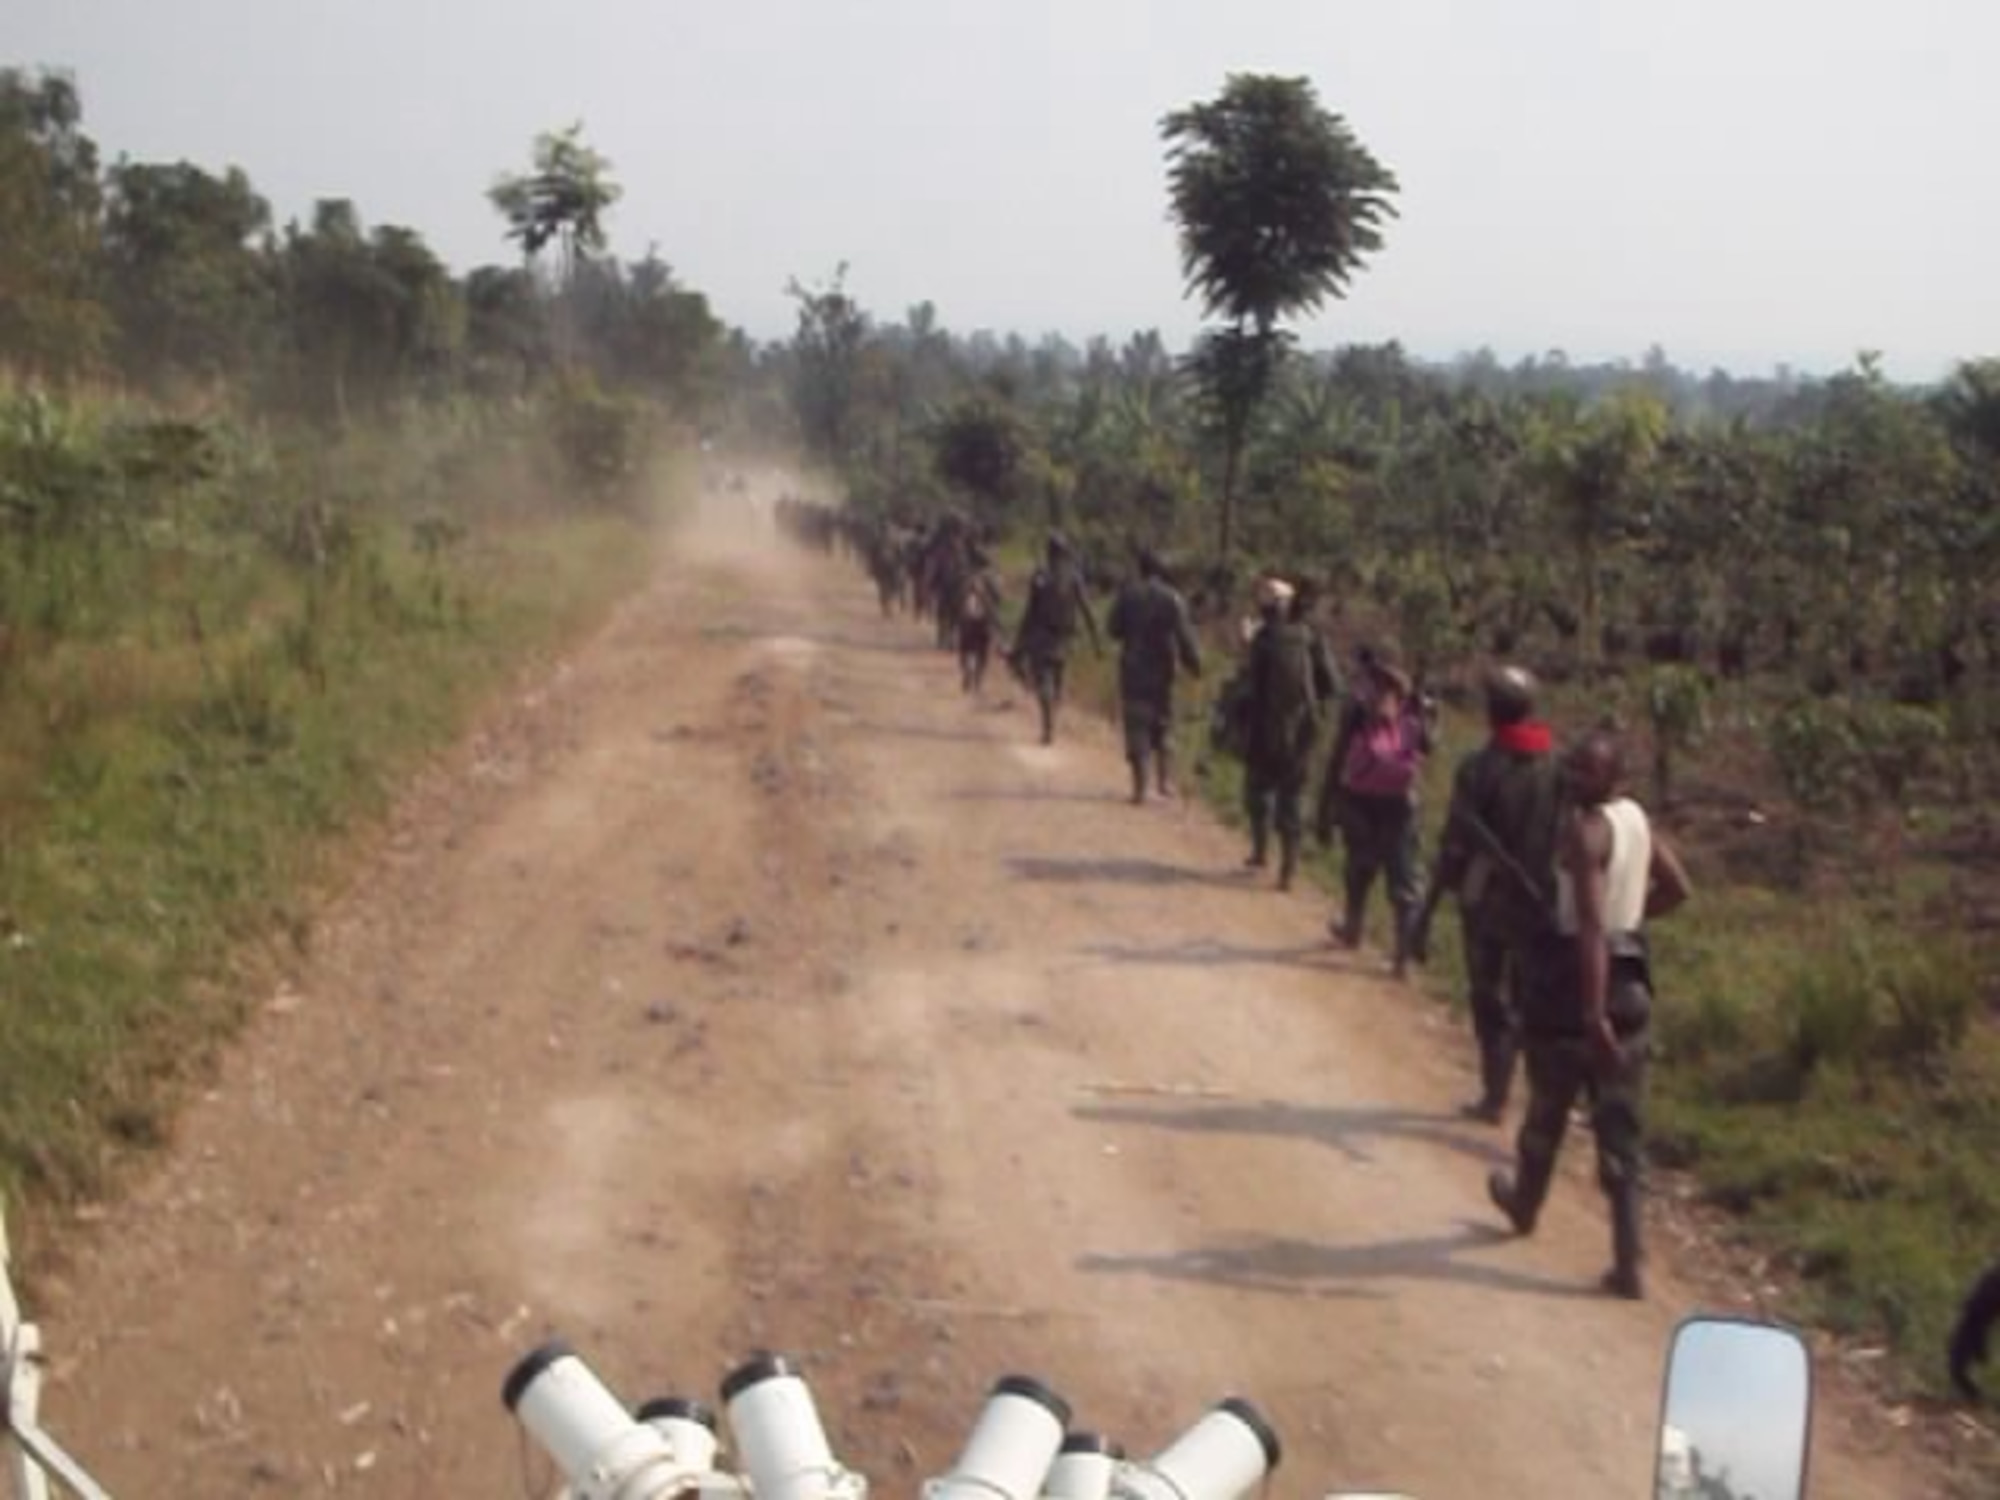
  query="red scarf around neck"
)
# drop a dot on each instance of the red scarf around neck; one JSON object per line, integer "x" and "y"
{"x": 1530, "y": 737}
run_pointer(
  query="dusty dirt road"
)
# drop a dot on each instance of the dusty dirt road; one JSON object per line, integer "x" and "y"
{"x": 743, "y": 985}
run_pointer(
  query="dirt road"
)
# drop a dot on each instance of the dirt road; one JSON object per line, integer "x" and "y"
{"x": 743, "y": 985}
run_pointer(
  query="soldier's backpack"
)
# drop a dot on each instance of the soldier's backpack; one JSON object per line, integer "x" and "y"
{"x": 1229, "y": 717}
{"x": 1051, "y": 606}
{"x": 1291, "y": 696}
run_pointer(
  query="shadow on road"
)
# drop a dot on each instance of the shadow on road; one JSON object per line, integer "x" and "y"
{"x": 1303, "y": 1268}
{"x": 1032, "y": 794}
{"x": 1119, "y": 871}
{"x": 1346, "y": 1130}
{"x": 922, "y": 732}
{"x": 841, "y": 641}
{"x": 1213, "y": 953}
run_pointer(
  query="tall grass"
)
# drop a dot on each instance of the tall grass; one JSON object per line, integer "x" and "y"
{"x": 218, "y": 645}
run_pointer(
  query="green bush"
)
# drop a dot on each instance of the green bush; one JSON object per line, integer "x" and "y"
{"x": 1818, "y": 754}
{"x": 1677, "y": 700}
{"x": 600, "y": 439}
{"x": 1865, "y": 1003}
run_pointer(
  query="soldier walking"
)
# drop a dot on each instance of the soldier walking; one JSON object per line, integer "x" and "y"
{"x": 1497, "y": 856}
{"x": 1587, "y": 1002}
{"x": 978, "y": 611}
{"x": 1056, "y": 601}
{"x": 1370, "y": 794}
{"x": 1156, "y": 643}
{"x": 1289, "y": 683}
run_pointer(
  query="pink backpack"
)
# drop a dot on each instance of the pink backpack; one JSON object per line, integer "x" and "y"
{"x": 1383, "y": 759}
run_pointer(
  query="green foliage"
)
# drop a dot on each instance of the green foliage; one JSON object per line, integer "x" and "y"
{"x": 1279, "y": 205}
{"x": 1278, "y": 202}
{"x": 644, "y": 332}
{"x": 218, "y": 652}
{"x": 561, "y": 199}
{"x": 50, "y": 198}
{"x": 189, "y": 286}
{"x": 371, "y": 317}
{"x": 982, "y": 447}
{"x": 1839, "y": 753}
{"x": 1817, "y": 752}
{"x": 1677, "y": 705}
{"x": 601, "y": 439}
{"x": 826, "y": 364}
{"x": 1900, "y": 745}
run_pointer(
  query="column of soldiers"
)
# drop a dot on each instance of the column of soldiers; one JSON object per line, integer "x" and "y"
{"x": 1554, "y": 871}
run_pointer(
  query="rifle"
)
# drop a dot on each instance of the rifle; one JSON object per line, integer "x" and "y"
{"x": 1418, "y": 938}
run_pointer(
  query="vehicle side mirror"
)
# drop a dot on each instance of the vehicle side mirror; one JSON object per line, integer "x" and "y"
{"x": 1737, "y": 1418}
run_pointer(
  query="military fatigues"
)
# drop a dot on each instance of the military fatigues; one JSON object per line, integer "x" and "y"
{"x": 1503, "y": 801}
{"x": 975, "y": 626}
{"x": 1290, "y": 679}
{"x": 1562, "y": 1064}
{"x": 1561, "y": 1070}
{"x": 1056, "y": 600}
{"x": 1156, "y": 640}
{"x": 950, "y": 570}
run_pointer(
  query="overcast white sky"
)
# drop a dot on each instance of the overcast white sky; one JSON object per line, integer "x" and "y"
{"x": 1742, "y": 181}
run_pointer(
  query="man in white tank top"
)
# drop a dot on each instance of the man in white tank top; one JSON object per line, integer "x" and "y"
{"x": 1587, "y": 1009}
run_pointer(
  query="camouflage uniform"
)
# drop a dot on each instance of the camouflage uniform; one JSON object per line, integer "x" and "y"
{"x": 1056, "y": 600}
{"x": 975, "y": 624}
{"x": 1561, "y": 1070}
{"x": 1290, "y": 679}
{"x": 1156, "y": 640}
{"x": 1503, "y": 800}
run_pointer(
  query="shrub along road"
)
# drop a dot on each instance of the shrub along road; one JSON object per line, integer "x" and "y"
{"x": 744, "y": 985}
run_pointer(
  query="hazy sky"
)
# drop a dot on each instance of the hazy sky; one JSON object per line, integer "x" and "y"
{"x": 1743, "y": 181}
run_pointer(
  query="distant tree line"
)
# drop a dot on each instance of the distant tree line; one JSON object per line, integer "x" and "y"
{"x": 173, "y": 277}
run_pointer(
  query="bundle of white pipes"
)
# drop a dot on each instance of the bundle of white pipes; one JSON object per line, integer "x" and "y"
{"x": 1021, "y": 1446}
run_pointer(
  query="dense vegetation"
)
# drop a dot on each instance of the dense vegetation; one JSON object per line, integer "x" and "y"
{"x": 1783, "y": 587}
{"x": 277, "y": 505}
{"x": 256, "y": 479}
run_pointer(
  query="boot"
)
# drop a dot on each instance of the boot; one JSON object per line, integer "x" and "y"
{"x": 1259, "y": 842}
{"x": 1496, "y": 1079}
{"x": 1347, "y": 931}
{"x": 1138, "y": 765}
{"x": 1624, "y": 1279}
{"x": 1401, "y": 915}
{"x": 1519, "y": 1194}
{"x": 1048, "y": 708}
{"x": 1288, "y": 859}
{"x": 1164, "y": 773}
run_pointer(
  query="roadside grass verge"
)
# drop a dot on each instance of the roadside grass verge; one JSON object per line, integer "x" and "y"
{"x": 211, "y": 719}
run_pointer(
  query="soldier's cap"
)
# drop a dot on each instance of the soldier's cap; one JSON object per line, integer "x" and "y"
{"x": 1058, "y": 542}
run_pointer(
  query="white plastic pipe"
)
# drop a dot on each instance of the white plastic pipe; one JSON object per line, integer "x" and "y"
{"x": 1012, "y": 1445}
{"x": 689, "y": 1430}
{"x": 1083, "y": 1469}
{"x": 1224, "y": 1456}
{"x": 595, "y": 1444}
{"x": 778, "y": 1437}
